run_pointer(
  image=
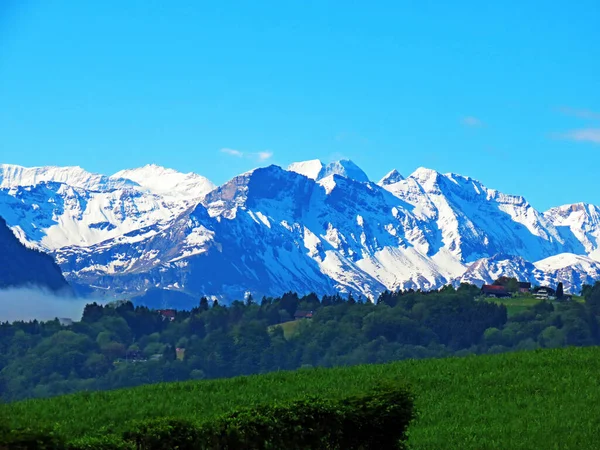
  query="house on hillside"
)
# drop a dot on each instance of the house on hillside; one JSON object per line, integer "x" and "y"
{"x": 544, "y": 293}
{"x": 303, "y": 315}
{"x": 524, "y": 287}
{"x": 491, "y": 290}
{"x": 167, "y": 314}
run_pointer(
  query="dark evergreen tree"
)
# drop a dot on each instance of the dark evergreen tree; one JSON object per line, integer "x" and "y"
{"x": 204, "y": 304}
{"x": 559, "y": 291}
{"x": 92, "y": 312}
{"x": 351, "y": 300}
{"x": 592, "y": 298}
{"x": 170, "y": 353}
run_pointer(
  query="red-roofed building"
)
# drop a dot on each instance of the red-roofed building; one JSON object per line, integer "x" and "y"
{"x": 524, "y": 287}
{"x": 303, "y": 315}
{"x": 491, "y": 290}
{"x": 167, "y": 314}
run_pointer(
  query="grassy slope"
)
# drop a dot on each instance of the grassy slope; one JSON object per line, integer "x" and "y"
{"x": 289, "y": 328}
{"x": 543, "y": 399}
{"x": 516, "y": 305}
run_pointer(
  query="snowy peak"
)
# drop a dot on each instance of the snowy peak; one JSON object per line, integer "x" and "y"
{"x": 392, "y": 177}
{"x": 316, "y": 170}
{"x": 347, "y": 169}
{"x": 427, "y": 178}
{"x": 575, "y": 214}
{"x": 168, "y": 182}
{"x": 270, "y": 187}
{"x": 310, "y": 169}
{"x": 14, "y": 176}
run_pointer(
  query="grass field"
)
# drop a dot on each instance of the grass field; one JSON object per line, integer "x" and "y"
{"x": 289, "y": 328}
{"x": 545, "y": 399}
{"x": 516, "y": 305}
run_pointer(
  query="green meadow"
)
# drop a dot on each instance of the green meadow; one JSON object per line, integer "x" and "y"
{"x": 519, "y": 304}
{"x": 542, "y": 399}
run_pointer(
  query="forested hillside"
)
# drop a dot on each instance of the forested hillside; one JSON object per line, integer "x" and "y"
{"x": 21, "y": 266}
{"x": 121, "y": 345}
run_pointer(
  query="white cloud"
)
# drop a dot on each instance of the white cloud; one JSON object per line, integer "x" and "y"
{"x": 582, "y": 135}
{"x": 259, "y": 156}
{"x": 471, "y": 121}
{"x": 232, "y": 152}
{"x": 263, "y": 156}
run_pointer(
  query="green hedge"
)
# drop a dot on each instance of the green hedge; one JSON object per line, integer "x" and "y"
{"x": 376, "y": 420}
{"x": 28, "y": 439}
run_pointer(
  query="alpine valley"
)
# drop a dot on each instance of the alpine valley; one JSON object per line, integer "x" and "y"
{"x": 164, "y": 237}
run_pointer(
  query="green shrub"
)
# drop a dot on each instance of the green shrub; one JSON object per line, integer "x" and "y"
{"x": 378, "y": 420}
{"x": 99, "y": 443}
{"x": 28, "y": 439}
{"x": 164, "y": 434}
{"x": 310, "y": 423}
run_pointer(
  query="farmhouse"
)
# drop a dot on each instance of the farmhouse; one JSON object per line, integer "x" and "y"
{"x": 167, "y": 314}
{"x": 491, "y": 290}
{"x": 544, "y": 293}
{"x": 524, "y": 287}
{"x": 303, "y": 315}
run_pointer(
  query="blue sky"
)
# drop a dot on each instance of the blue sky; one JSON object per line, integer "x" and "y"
{"x": 508, "y": 93}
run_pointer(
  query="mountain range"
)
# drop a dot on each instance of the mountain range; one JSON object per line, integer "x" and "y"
{"x": 158, "y": 233}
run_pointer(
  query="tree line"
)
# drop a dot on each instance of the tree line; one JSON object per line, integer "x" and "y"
{"x": 122, "y": 345}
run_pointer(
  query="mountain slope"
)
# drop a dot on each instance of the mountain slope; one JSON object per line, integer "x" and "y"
{"x": 24, "y": 267}
{"x": 581, "y": 222}
{"x": 53, "y": 215}
{"x": 475, "y": 222}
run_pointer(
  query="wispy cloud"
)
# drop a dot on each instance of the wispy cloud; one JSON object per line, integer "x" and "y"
{"x": 581, "y": 113}
{"x": 471, "y": 121}
{"x": 258, "y": 156}
{"x": 263, "y": 156}
{"x": 232, "y": 152}
{"x": 581, "y": 135}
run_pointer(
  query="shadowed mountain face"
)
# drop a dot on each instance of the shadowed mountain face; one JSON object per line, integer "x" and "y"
{"x": 24, "y": 267}
{"x": 314, "y": 227}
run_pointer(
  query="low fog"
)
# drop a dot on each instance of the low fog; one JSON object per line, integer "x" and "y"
{"x": 29, "y": 304}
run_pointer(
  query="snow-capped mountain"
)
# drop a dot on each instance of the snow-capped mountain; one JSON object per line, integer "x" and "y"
{"x": 167, "y": 182}
{"x": 476, "y": 222}
{"x": 15, "y": 176}
{"x": 313, "y": 227}
{"x": 316, "y": 170}
{"x": 580, "y": 222}
{"x": 53, "y": 215}
{"x": 391, "y": 178}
